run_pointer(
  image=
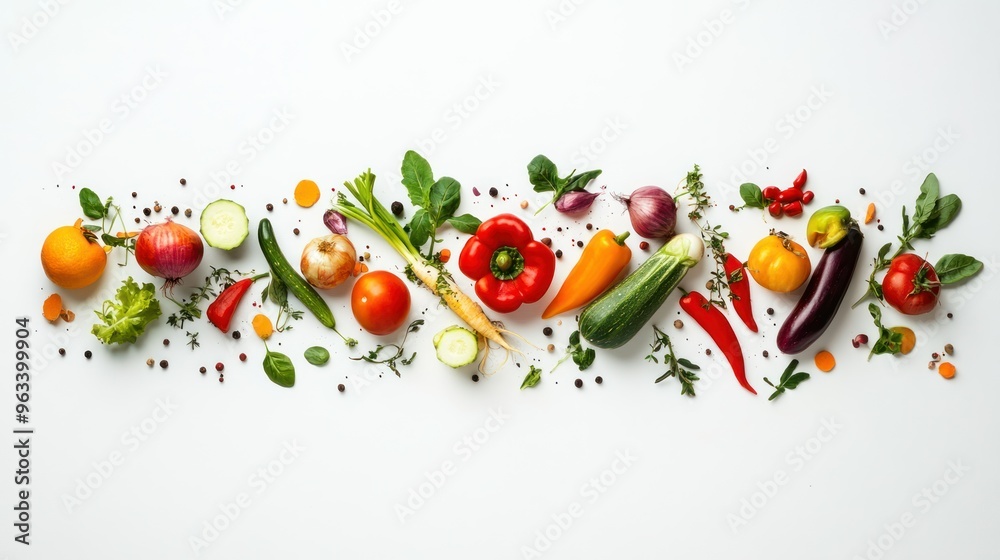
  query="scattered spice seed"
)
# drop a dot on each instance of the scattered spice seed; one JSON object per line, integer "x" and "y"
{"x": 166, "y": 342}
{"x": 644, "y": 245}
{"x": 62, "y": 351}
{"x": 678, "y": 324}
{"x": 88, "y": 354}
{"x": 270, "y": 207}
{"x": 598, "y": 380}
{"x": 284, "y": 201}
{"x": 341, "y": 388}
{"x": 219, "y": 367}
{"x": 222, "y": 379}
{"x": 861, "y": 190}
{"x": 137, "y": 220}
{"x": 732, "y": 207}
{"x": 551, "y": 347}
{"x": 150, "y": 362}
{"x": 579, "y": 243}
{"x": 708, "y": 351}
{"x": 881, "y": 227}
{"x": 547, "y": 241}
{"x": 187, "y": 213}
{"x": 578, "y": 383}
{"x": 770, "y": 311}
{"x": 558, "y": 253}
{"x": 237, "y": 335}
{"x": 935, "y": 356}
{"x": 134, "y": 194}
{"x": 163, "y": 364}
{"x": 475, "y": 191}
{"x": 493, "y": 192}
{"x": 475, "y": 378}
{"x": 559, "y": 228}
{"x": 931, "y": 365}
{"x": 157, "y": 208}
{"x": 175, "y": 210}
{"x": 183, "y": 181}
{"x": 765, "y": 353}
{"x": 295, "y": 231}
{"x": 590, "y": 226}
{"x": 547, "y": 331}
{"x": 950, "y": 316}
{"x": 243, "y": 357}
{"x": 947, "y": 370}
{"x": 949, "y": 349}
{"x": 524, "y": 204}
{"x": 397, "y": 208}
{"x": 147, "y": 211}
{"x": 202, "y": 369}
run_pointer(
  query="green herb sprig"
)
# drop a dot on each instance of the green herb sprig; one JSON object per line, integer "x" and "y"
{"x": 681, "y": 368}
{"x": 713, "y": 235}
{"x": 374, "y": 356}
{"x": 582, "y": 357}
{"x": 788, "y": 380}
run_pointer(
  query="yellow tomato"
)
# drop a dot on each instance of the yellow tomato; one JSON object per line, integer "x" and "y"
{"x": 778, "y": 263}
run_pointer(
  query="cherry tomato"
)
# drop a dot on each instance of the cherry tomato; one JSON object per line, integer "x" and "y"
{"x": 380, "y": 302}
{"x": 771, "y": 193}
{"x": 775, "y": 209}
{"x": 911, "y": 285}
{"x": 800, "y": 181}
{"x": 792, "y": 209}
{"x": 807, "y": 197}
{"x": 779, "y": 264}
{"x": 790, "y": 194}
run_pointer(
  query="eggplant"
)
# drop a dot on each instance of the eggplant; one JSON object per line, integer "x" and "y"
{"x": 823, "y": 295}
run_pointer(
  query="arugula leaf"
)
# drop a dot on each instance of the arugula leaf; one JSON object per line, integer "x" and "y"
{"x": 955, "y": 268}
{"x": 279, "y": 368}
{"x": 544, "y": 177}
{"x": 945, "y": 211}
{"x": 92, "y": 206}
{"x": 788, "y": 380}
{"x": 466, "y": 223}
{"x": 889, "y": 341}
{"x": 125, "y": 318}
{"x": 317, "y": 355}
{"x": 752, "y": 196}
{"x": 532, "y": 379}
{"x": 929, "y": 191}
{"x": 417, "y": 178}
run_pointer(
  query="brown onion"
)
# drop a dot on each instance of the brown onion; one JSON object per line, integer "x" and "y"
{"x": 328, "y": 261}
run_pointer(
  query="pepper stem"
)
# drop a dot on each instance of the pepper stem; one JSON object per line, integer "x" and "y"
{"x": 507, "y": 263}
{"x": 621, "y": 238}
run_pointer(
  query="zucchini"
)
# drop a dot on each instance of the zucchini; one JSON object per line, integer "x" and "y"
{"x": 616, "y": 316}
{"x": 291, "y": 279}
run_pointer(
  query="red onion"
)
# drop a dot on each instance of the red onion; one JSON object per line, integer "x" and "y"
{"x": 575, "y": 201}
{"x": 168, "y": 250}
{"x": 652, "y": 211}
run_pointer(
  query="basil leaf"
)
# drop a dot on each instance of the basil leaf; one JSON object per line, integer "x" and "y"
{"x": 580, "y": 181}
{"x": 584, "y": 358}
{"x": 112, "y": 241}
{"x": 92, "y": 206}
{"x": 420, "y": 228}
{"x": 543, "y": 175}
{"x": 955, "y": 268}
{"x": 793, "y": 381}
{"x": 277, "y": 292}
{"x": 884, "y": 250}
{"x": 945, "y": 211}
{"x": 752, "y": 196}
{"x": 532, "y": 379}
{"x": 685, "y": 363}
{"x": 445, "y": 196}
{"x": 466, "y": 223}
{"x": 788, "y": 371}
{"x": 929, "y": 191}
{"x": 279, "y": 368}
{"x": 317, "y": 355}
{"x": 417, "y": 178}
{"x": 92, "y": 227}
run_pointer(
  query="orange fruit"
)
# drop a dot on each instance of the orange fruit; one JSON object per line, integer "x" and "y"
{"x": 72, "y": 258}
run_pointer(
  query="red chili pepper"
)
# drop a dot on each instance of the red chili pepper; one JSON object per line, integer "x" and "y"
{"x": 220, "y": 312}
{"x": 739, "y": 286}
{"x": 771, "y": 193}
{"x": 807, "y": 197}
{"x": 792, "y": 208}
{"x": 718, "y": 327}
{"x": 790, "y": 195}
{"x": 800, "y": 181}
{"x": 775, "y": 209}
{"x": 508, "y": 265}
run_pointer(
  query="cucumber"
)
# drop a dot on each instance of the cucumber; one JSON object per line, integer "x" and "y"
{"x": 618, "y": 314}
{"x": 456, "y": 346}
{"x": 291, "y": 279}
{"x": 224, "y": 224}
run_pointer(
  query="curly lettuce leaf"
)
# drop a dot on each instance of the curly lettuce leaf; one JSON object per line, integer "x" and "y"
{"x": 125, "y": 318}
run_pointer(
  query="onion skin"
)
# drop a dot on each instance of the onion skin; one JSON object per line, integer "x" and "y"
{"x": 652, "y": 211}
{"x": 169, "y": 250}
{"x": 328, "y": 261}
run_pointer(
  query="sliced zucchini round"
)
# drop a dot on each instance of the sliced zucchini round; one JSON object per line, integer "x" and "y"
{"x": 456, "y": 346}
{"x": 224, "y": 224}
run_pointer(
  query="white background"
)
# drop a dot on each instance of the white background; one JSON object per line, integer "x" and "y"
{"x": 863, "y": 94}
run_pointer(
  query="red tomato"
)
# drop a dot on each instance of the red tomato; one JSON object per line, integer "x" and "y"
{"x": 911, "y": 285}
{"x": 380, "y": 302}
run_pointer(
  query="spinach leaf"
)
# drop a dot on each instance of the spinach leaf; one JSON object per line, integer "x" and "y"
{"x": 437, "y": 202}
{"x": 92, "y": 206}
{"x": 945, "y": 210}
{"x": 544, "y": 177}
{"x": 417, "y": 178}
{"x": 466, "y": 223}
{"x": 317, "y": 355}
{"x": 279, "y": 368}
{"x": 955, "y": 268}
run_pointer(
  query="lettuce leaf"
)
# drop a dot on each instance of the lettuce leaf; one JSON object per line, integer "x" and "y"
{"x": 125, "y": 318}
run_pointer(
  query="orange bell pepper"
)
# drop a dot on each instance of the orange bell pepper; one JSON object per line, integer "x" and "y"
{"x": 602, "y": 260}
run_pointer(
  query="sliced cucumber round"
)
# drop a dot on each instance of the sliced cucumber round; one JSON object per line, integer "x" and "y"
{"x": 456, "y": 346}
{"x": 224, "y": 224}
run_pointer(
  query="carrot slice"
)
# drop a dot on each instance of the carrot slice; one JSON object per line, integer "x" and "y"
{"x": 870, "y": 213}
{"x": 52, "y": 308}
{"x": 947, "y": 370}
{"x": 306, "y": 193}
{"x": 825, "y": 361}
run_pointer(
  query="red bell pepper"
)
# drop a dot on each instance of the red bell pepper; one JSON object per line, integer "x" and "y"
{"x": 220, "y": 312}
{"x": 718, "y": 327}
{"x": 739, "y": 286}
{"x": 508, "y": 265}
